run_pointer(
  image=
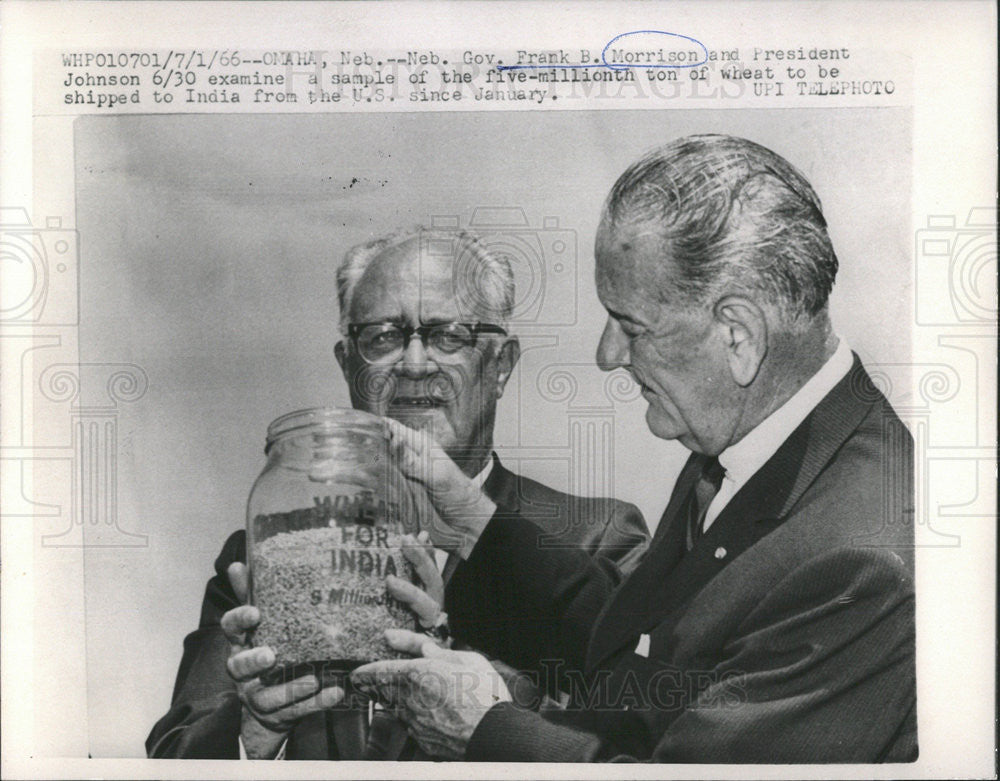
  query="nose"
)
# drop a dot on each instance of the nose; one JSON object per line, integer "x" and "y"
{"x": 414, "y": 362}
{"x": 612, "y": 350}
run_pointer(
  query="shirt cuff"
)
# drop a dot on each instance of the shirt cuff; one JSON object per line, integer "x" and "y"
{"x": 279, "y": 755}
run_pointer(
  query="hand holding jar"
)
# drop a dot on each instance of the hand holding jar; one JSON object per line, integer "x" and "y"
{"x": 269, "y": 712}
{"x": 461, "y": 509}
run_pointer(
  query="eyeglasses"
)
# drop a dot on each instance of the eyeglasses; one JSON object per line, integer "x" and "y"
{"x": 386, "y": 342}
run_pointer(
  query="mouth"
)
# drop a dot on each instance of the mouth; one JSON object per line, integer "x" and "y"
{"x": 643, "y": 387}
{"x": 414, "y": 403}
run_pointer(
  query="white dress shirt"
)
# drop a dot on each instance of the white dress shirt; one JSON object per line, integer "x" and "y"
{"x": 742, "y": 460}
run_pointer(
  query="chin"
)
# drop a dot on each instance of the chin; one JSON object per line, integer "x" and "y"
{"x": 663, "y": 426}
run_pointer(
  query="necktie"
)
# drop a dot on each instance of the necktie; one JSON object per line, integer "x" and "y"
{"x": 705, "y": 488}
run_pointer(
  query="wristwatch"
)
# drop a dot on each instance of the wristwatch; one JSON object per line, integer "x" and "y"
{"x": 439, "y": 629}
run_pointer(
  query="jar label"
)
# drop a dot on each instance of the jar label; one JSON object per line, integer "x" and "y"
{"x": 342, "y": 509}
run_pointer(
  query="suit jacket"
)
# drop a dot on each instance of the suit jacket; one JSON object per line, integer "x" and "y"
{"x": 204, "y": 718}
{"x": 785, "y": 635}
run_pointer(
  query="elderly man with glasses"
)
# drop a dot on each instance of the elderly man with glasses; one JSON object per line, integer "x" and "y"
{"x": 425, "y": 314}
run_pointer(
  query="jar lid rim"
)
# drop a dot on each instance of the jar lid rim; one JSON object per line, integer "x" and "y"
{"x": 339, "y": 417}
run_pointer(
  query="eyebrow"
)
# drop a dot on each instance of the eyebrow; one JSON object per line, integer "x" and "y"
{"x": 400, "y": 320}
{"x": 440, "y": 321}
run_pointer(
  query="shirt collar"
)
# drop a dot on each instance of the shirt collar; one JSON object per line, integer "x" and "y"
{"x": 742, "y": 460}
{"x": 480, "y": 479}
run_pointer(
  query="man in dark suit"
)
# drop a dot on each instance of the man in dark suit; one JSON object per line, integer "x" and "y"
{"x": 772, "y": 618}
{"x": 424, "y": 315}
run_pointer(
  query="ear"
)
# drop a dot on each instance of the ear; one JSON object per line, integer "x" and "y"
{"x": 744, "y": 329}
{"x": 510, "y": 352}
{"x": 340, "y": 352}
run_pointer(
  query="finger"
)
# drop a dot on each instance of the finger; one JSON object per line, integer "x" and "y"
{"x": 420, "y": 543}
{"x": 249, "y": 664}
{"x": 427, "y": 609}
{"x": 417, "y": 449}
{"x": 326, "y": 698}
{"x": 374, "y": 674}
{"x": 409, "y": 642}
{"x": 423, "y": 441}
{"x": 441, "y": 534}
{"x": 387, "y": 668}
{"x": 397, "y": 441}
{"x": 424, "y": 541}
{"x": 419, "y": 555}
{"x": 239, "y": 579}
{"x": 237, "y": 622}
{"x": 419, "y": 456}
{"x": 403, "y": 439}
{"x": 269, "y": 699}
{"x": 410, "y": 463}
{"x": 380, "y": 683}
{"x": 434, "y": 651}
{"x": 394, "y": 428}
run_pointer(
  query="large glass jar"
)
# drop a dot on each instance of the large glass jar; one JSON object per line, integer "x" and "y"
{"x": 324, "y": 521}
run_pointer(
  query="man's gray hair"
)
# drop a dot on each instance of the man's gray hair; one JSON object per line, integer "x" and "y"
{"x": 730, "y": 214}
{"x": 483, "y": 279}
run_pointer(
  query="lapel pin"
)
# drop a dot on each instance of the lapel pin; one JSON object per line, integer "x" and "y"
{"x": 720, "y": 553}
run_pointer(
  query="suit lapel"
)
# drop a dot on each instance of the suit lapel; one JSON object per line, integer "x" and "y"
{"x": 663, "y": 582}
{"x": 628, "y": 603}
{"x": 501, "y": 486}
{"x": 832, "y": 422}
